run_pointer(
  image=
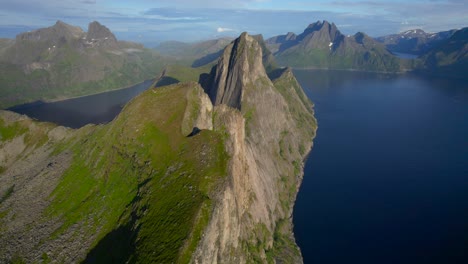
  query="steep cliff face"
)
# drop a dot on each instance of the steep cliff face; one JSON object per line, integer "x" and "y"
{"x": 270, "y": 127}
{"x": 231, "y": 75}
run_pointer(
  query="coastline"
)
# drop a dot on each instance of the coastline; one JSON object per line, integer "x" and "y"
{"x": 298, "y": 188}
{"x": 352, "y": 70}
{"x": 64, "y": 99}
{"x": 102, "y": 92}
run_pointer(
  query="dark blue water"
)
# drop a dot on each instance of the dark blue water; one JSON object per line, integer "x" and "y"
{"x": 387, "y": 179}
{"x": 77, "y": 112}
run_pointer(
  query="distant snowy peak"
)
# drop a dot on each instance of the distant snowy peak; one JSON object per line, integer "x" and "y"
{"x": 414, "y": 41}
{"x": 413, "y": 33}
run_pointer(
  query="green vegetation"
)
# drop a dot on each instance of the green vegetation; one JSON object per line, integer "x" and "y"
{"x": 35, "y": 137}
{"x": 182, "y": 73}
{"x": 372, "y": 59}
{"x": 292, "y": 92}
{"x": 11, "y": 131}
{"x": 7, "y": 194}
{"x": 148, "y": 175}
{"x": 284, "y": 247}
{"x": 194, "y": 54}
{"x": 257, "y": 243}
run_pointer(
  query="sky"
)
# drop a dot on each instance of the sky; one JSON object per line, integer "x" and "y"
{"x": 151, "y": 22}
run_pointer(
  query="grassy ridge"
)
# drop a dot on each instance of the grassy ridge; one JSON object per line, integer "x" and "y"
{"x": 146, "y": 176}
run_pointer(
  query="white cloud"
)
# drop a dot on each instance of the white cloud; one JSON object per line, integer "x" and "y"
{"x": 221, "y": 30}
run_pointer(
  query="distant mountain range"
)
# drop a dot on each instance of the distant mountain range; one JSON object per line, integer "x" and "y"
{"x": 322, "y": 45}
{"x": 62, "y": 61}
{"x": 414, "y": 41}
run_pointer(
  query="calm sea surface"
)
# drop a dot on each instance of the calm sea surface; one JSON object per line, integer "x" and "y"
{"x": 387, "y": 179}
{"x": 77, "y": 112}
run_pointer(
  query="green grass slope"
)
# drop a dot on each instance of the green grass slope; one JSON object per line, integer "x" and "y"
{"x": 137, "y": 189}
{"x": 146, "y": 178}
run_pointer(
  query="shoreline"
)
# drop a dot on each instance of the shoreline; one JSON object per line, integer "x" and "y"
{"x": 298, "y": 189}
{"x": 352, "y": 70}
{"x": 63, "y": 99}
{"x": 81, "y": 96}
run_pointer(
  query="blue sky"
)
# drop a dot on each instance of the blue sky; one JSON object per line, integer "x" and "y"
{"x": 154, "y": 21}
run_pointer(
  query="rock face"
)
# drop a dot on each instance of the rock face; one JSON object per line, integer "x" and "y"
{"x": 256, "y": 204}
{"x": 322, "y": 45}
{"x": 232, "y": 71}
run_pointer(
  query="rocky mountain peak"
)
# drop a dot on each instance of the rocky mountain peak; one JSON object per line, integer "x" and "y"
{"x": 59, "y": 32}
{"x": 360, "y": 37}
{"x": 240, "y": 64}
{"x": 290, "y": 36}
{"x": 100, "y": 33}
{"x": 322, "y": 31}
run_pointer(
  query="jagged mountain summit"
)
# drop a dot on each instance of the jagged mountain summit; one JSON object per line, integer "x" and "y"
{"x": 62, "y": 61}
{"x": 322, "y": 45}
{"x": 100, "y": 35}
{"x": 414, "y": 41}
{"x": 184, "y": 174}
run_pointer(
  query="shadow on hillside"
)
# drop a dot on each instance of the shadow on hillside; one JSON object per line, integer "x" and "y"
{"x": 276, "y": 73}
{"x": 207, "y": 59}
{"x": 166, "y": 80}
{"x": 118, "y": 246}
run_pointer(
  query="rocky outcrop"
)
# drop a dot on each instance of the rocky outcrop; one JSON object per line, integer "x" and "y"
{"x": 230, "y": 76}
{"x": 198, "y": 112}
{"x": 265, "y": 139}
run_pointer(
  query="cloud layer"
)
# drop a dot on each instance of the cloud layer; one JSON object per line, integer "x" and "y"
{"x": 187, "y": 20}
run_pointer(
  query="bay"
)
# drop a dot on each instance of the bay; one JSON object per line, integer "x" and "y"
{"x": 77, "y": 112}
{"x": 387, "y": 178}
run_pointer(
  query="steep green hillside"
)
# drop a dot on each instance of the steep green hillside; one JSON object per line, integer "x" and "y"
{"x": 145, "y": 178}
